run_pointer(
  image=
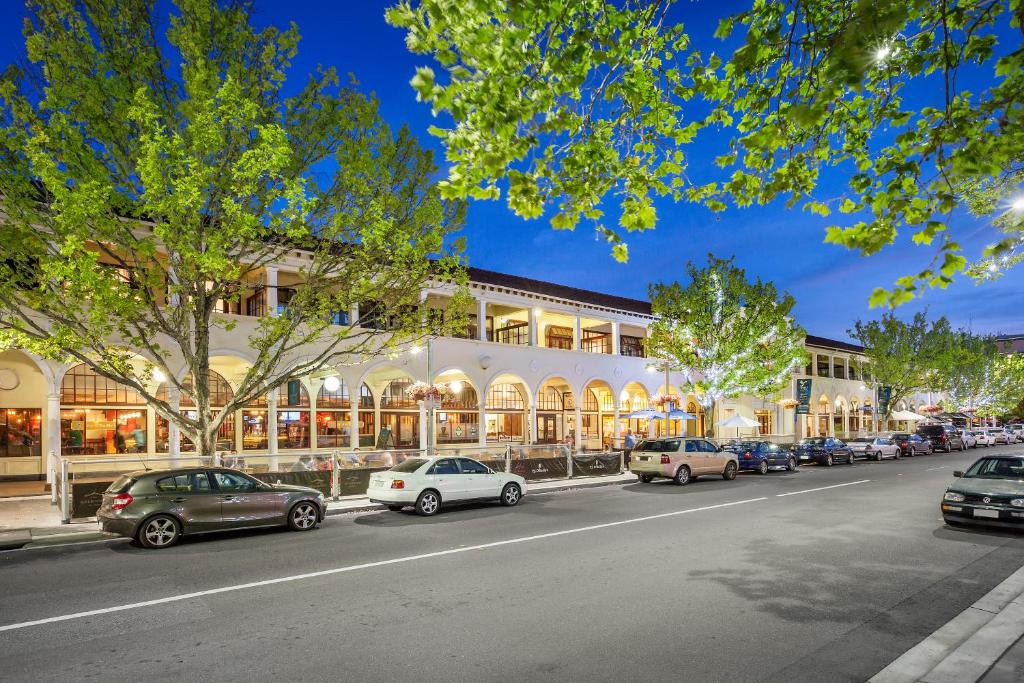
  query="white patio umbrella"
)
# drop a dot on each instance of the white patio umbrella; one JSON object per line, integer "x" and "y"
{"x": 906, "y": 415}
{"x": 739, "y": 421}
{"x": 676, "y": 415}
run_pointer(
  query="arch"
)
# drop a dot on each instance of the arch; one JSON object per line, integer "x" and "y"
{"x": 81, "y": 385}
{"x": 221, "y": 390}
{"x": 509, "y": 377}
{"x": 598, "y": 430}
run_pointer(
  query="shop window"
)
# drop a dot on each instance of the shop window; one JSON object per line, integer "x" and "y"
{"x": 396, "y": 395}
{"x": 590, "y": 403}
{"x": 20, "y": 432}
{"x": 334, "y": 399}
{"x": 333, "y": 428}
{"x": 254, "y": 430}
{"x": 87, "y": 431}
{"x": 292, "y": 394}
{"x": 292, "y": 429}
{"x": 457, "y": 427}
{"x": 466, "y": 399}
{"x": 558, "y": 337}
{"x": 550, "y": 399}
{"x": 505, "y": 397}
{"x": 823, "y": 366}
{"x": 220, "y": 391}
{"x": 505, "y": 427}
{"x": 82, "y": 386}
{"x": 764, "y": 421}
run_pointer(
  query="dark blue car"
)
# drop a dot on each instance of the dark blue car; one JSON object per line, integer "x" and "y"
{"x": 824, "y": 451}
{"x": 761, "y": 456}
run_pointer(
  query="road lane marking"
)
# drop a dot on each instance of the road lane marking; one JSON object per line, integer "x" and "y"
{"x": 932, "y": 469}
{"x": 366, "y": 565}
{"x": 821, "y": 488}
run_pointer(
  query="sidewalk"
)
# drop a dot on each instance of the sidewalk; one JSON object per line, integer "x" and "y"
{"x": 985, "y": 642}
{"x": 32, "y": 521}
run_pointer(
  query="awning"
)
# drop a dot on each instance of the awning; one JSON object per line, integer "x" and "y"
{"x": 739, "y": 421}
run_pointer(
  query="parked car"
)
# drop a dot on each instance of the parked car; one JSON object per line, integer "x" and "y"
{"x": 970, "y": 441}
{"x": 912, "y": 444}
{"x": 1012, "y": 435}
{"x": 158, "y": 507}
{"x": 429, "y": 483}
{"x": 998, "y": 436}
{"x": 874, "y": 447}
{"x": 681, "y": 459}
{"x": 991, "y": 492}
{"x": 982, "y": 438}
{"x": 943, "y": 437}
{"x": 762, "y": 456}
{"x": 824, "y": 451}
{"x": 1018, "y": 430}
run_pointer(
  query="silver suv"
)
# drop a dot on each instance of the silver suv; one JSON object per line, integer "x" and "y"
{"x": 681, "y": 459}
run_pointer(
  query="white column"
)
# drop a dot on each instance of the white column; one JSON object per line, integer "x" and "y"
{"x": 530, "y": 435}
{"x": 353, "y": 315}
{"x": 616, "y": 430}
{"x": 150, "y": 431}
{"x": 481, "y": 320}
{"x": 272, "y": 290}
{"x": 577, "y": 334}
{"x": 173, "y": 431}
{"x": 423, "y": 427}
{"x": 615, "y": 339}
{"x": 533, "y": 326}
{"x": 272, "y": 428}
{"x": 353, "y": 427}
{"x": 52, "y": 436}
{"x": 578, "y": 436}
{"x": 481, "y": 436}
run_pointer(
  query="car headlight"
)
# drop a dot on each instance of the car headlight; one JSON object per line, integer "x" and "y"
{"x": 1017, "y": 502}
{"x": 953, "y": 497}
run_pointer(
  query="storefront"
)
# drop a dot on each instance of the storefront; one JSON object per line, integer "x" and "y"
{"x": 458, "y": 419}
{"x": 21, "y": 432}
{"x": 220, "y": 394}
{"x": 399, "y": 415}
{"x": 292, "y": 416}
{"x": 99, "y": 416}
{"x": 334, "y": 417}
{"x": 505, "y": 409}
{"x": 554, "y": 424}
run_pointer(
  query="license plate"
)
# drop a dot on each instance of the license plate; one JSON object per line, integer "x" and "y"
{"x": 645, "y": 458}
{"x": 992, "y": 514}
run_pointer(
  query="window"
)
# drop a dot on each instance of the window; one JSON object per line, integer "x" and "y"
{"x": 293, "y": 428}
{"x": 550, "y": 399}
{"x": 225, "y": 435}
{"x": 823, "y": 366}
{"x": 227, "y": 481}
{"x": 559, "y": 337}
{"x": 708, "y": 447}
{"x": 809, "y": 370}
{"x": 220, "y": 390}
{"x": 691, "y": 447}
{"x": 445, "y": 466}
{"x": 20, "y": 432}
{"x": 471, "y": 466}
{"x": 838, "y": 368}
{"x": 82, "y": 386}
{"x": 764, "y": 421}
{"x": 852, "y": 369}
{"x": 181, "y": 483}
{"x": 410, "y": 465}
{"x": 332, "y": 428}
{"x": 334, "y": 399}
{"x": 631, "y": 346}
{"x": 590, "y": 404}
{"x": 292, "y": 394}
{"x": 514, "y": 332}
{"x": 395, "y": 395}
{"x": 98, "y": 432}
{"x": 505, "y": 397}
{"x": 596, "y": 342}
{"x": 466, "y": 399}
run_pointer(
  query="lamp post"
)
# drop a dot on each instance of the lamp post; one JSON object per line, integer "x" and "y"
{"x": 429, "y": 401}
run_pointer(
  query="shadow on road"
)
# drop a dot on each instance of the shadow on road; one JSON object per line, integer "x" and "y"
{"x": 476, "y": 512}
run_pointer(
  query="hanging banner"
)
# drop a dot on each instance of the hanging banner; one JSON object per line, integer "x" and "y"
{"x": 803, "y": 396}
{"x": 884, "y": 397}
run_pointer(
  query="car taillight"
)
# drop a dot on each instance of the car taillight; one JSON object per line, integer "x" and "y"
{"x": 397, "y": 484}
{"x": 945, "y": 438}
{"x": 121, "y": 501}
{"x": 665, "y": 460}
{"x": 747, "y": 455}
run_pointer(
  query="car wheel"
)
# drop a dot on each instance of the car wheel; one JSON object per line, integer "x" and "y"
{"x": 645, "y": 478}
{"x": 849, "y": 460}
{"x": 511, "y": 495}
{"x": 730, "y": 471}
{"x": 949, "y": 447}
{"x": 395, "y": 508}
{"x": 428, "y": 503}
{"x": 682, "y": 475}
{"x": 161, "y": 531}
{"x": 828, "y": 460}
{"x": 897, "y": 455}
{"x": 303, "y": 516}
{"x": 791, "y": 465}
{"x": 763, "y": 467}
{"x": 878, "y": 456}
{"x": 963, "y": 446}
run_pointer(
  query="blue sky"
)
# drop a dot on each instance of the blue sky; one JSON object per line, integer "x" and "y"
{"x": 831, "y": 285}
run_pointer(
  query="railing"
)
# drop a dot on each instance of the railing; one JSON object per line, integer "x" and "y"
{"x": 79, "y": 481}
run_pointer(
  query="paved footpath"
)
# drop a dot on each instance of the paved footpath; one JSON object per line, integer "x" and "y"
{"x": 825, "y": 574}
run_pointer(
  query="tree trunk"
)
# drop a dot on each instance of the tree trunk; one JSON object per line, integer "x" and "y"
{"x": 709, "y": 419}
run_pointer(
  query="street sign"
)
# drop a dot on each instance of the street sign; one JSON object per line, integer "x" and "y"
{"x": 803, "y": 396}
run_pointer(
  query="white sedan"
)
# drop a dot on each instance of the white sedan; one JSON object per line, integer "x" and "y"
{"x": 970, "y": 441}
{"x": 429, "y": 483}
{"x": 874, "y": 447}
{"x": 982, "y": 438}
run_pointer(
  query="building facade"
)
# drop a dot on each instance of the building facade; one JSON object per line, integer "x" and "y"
{"x": 541, "y": 363}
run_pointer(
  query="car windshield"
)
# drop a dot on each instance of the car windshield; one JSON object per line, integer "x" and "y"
{"x": 901, "y": 436}
{"x": 997, "y": 468}
{"x": 813, "y": 442}
{"x": 862, "y": 440}
{"x": 409, "y": 466}
{"x": 659, "y": 445}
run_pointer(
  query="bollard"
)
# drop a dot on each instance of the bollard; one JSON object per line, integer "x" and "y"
{"x": 335, "y": 476}
{"x": 568, "y": 462}
{"x": 53, "y": 478}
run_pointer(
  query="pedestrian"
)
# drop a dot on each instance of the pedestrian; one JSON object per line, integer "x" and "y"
{"x": 119, "y": 443}
{"x": 140, "y": 439}
{"x": 630, "y": 441}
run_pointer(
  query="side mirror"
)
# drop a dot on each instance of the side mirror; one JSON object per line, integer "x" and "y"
{"x": 719, "y": 449}
{"x": 958, "y": 473}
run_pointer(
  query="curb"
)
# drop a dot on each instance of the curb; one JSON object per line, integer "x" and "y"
{"x": 967, "y": 646}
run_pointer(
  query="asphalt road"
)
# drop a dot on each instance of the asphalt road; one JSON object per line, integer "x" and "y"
{"x": 756, "y": 579}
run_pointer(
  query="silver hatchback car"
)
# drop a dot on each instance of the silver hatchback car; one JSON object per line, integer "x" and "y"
{"x": 158, "y": 507}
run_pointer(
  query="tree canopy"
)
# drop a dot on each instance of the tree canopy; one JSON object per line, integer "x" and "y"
{"x": 729, "y": 336}
{"x": 152, "y": 178}
{"x": 576, "y": 105}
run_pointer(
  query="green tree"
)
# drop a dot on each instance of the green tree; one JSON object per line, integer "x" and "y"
{"x": 581, "y": 103}
{"x": 727, "y": 335}
{"x": 904, "y": 355}
{"x": 149, "y": 177}
{"x": 967, "y": 370}
{"x": 1003, "y": 392}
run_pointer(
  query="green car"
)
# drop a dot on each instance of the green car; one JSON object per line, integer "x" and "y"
{"x": 158, "y": 507}
{"x": 990, "y": 492}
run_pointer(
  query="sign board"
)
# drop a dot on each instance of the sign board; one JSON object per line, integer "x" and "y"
{"x": 803, "y": 396}
{"x": 385, "y": 439}
{"x": 884, "y": 397}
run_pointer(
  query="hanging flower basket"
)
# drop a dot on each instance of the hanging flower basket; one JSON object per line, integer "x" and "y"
{"x": 788, "y": 403}
{"x": 930, "y": 409}
{"x": 430, "y": 394}
{"x": 660, "y": 400}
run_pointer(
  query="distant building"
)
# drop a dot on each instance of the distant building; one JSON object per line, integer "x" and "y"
{"x": 1010, "y": 343}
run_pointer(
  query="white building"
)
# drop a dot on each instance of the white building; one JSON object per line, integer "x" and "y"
{"x": 533, "y": 348}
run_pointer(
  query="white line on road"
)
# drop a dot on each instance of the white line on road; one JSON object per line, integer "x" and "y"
{"x": 822, "y": 488}
{"x": 932, "y": 469}
{"x": 367, "y": 565}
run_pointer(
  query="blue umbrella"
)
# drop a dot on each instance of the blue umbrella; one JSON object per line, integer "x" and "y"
{"x": 677, "y": 415}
